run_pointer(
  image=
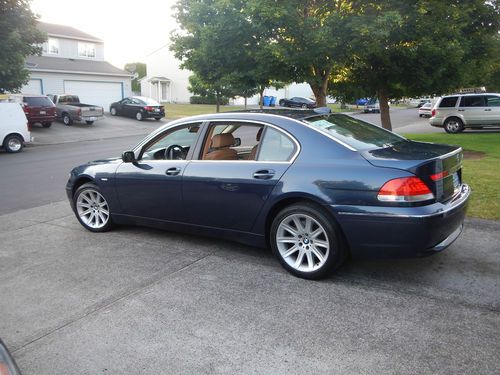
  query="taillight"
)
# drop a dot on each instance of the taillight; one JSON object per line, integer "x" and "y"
{"x": 433, "y": 113}
{"x": 405, "y": 189}
{"x": 148, "y": 108}
{"x": 25, "y": 108}
{"x": 439, "y": 176}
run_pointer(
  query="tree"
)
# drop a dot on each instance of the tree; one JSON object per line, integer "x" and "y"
{"x": 19, "y": 38}
{"x": 420, "y": 47}
{"x": 139, "y": 71}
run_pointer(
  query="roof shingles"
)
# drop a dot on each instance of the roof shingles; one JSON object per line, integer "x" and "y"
{"x": 66, "y": 31}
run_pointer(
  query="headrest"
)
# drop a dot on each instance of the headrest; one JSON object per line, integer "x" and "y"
{"x": 222, "y": 140}
{"x": 259, "y": 134}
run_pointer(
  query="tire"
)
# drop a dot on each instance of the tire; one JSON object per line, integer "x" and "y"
{"x": 92, "y": 209}
{"x": 138, "y": 116}
{"x": 303, "y": 106}
{"x": 89, "y": 122}
{"x": 13, "y": 144}
{"x": 113, "y": 111}
{"x": 282, "y": 103}
{"x": 157, "y": 118}
{"x": 47, "y": 124}
{"x": 67, "y": 120}
{"x": 321, "y": 253}
{"x": 453, "y": 125}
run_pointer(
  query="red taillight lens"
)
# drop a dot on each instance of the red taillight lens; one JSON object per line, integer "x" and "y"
{"x": 148, "y": 108}
{"x": 433, "y": 113}
{"x": 406, "y": 189}
{"x": 439, "y": 176}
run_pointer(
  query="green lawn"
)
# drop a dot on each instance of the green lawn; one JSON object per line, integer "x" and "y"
{"x": 483, "y": 175}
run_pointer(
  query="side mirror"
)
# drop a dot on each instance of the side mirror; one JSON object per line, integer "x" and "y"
{"x": 237, "y": 142}
{"x": 128, "y": 157}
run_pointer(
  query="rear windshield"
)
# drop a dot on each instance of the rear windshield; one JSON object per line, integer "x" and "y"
{"x": 69, "y": 99}
{"x": 35, "y": 101}
{"x": 147, "y": 101}
{"x": 358, "y": 134}
{"x": 448, "y": 102}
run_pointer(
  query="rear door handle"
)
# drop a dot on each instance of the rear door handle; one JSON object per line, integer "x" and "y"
{"x": 264, "y": 174}
{"x": 488, "y": 110}
{"x": 461, "y": 110}
{"x": 173, "y": 171}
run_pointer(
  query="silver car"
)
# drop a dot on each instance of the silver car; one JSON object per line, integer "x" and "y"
{"x": 454, "y": 113}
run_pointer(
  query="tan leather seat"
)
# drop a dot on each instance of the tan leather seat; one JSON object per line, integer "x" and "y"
{"x": 219, "y": 149}
{"x": 253, "y": 153}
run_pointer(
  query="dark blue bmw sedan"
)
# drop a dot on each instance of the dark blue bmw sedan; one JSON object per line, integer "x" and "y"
{"x": 313, "y": 186}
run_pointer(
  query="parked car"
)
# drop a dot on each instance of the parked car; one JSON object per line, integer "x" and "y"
{"x": 7, "y": 364}
{"x": 362, "y": 101}
{"x": 69, "y": 109}
{"x": 298, "y": 102}
{"x": 38, "y": 109}
{"x": 455, "y": 113}
{"x": 139, "y": 107}
{"x": 425, "y": 110}
{"x": 14, "y": 132}
{"x": 372, "y": 106}
{"x": 313, "y": 186}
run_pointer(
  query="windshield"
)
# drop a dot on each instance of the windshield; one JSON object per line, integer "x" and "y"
{"x": 358, "y": 134}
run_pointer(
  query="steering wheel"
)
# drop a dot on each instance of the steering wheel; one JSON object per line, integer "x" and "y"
{"x": 175, "y": 152}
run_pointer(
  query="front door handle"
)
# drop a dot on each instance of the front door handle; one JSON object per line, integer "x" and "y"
{"x": 488, "y": 110}
{"x": 264, "y": 174}
{"x": 173, "y": 171}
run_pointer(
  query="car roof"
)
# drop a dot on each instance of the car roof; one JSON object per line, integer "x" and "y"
{"x": 472, "y": 94}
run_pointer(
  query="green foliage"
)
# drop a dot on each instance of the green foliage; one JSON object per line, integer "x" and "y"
{"x": 139, "y": 71}
{"x": 19, "y": 38}
{"x": 197, "y": 99}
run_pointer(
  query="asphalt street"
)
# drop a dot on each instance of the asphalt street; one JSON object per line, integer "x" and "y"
{"x": 137, "y": 300}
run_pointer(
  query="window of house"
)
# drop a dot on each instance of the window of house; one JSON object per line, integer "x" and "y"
{"x": 51, "y": 46}
{"x": 86, "y": 49}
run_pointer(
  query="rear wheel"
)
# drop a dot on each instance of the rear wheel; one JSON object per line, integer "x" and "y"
{"x": 139, "y": 116}
{"x": 453, "y": 125}
{"x": 92, "y": 209}
{"x": 67, "y": 120}
{"x": 47, "y": 124}
{"x": 282, "y": 103}
{"x": 157, "y": 118}
{"x": 89, "y": 122}
{"x": 306, "y": 241}
{"x": 303, "y": 106}
{"x": 112, "y": 111}
{"x": 13, "y": 143}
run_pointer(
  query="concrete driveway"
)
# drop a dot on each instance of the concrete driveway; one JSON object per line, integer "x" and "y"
{"x": 140, "y": 301}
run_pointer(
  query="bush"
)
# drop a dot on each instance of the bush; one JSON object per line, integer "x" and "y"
{"x": 197, "y": 99}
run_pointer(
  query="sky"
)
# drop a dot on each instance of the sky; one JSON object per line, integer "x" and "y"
{"x": 130, "y": 29}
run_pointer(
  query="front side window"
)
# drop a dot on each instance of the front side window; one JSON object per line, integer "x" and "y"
{"x": 51, "y": 46}
{"x": 472, "y": 101}
{"x": 358, "y": 134}
{"x": 86, "y": 49}
{"x": 276, "y": 146}
{"x": 448, "y": 102}
{"x": 173, "y": 144}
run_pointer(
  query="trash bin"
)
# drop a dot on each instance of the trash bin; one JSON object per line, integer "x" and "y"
{"x": 272, "y": 103}
{"x": 266, "y": 101}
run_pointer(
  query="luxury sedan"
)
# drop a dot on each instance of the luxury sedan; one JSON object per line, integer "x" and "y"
{"x": 297, "y": 102}
{"x": 313, "y": 186}
{"x": 139, "y": 107}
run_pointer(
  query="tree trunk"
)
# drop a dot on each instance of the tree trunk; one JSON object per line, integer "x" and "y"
{"x": 245, "y": 102}
{"x": 385, "y": 116}
{"x": 319, "y": 94}
{"x": 217, "y": 103}
{"x": 261, "y": 96}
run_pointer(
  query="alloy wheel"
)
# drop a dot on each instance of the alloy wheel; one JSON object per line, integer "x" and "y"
{"x": 453, "y": 126}
{"x": 92, "y": 209}
{"x": 14, "y": 144}
{"x": 302, "y": 242}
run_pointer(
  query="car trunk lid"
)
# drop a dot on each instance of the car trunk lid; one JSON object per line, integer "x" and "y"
{"x": 438, "y": 166}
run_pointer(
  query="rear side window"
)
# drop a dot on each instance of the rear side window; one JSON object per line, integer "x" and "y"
{"x": 493, "y": 101}
{"x": 34, "y": 101}
{"x": 448, "y": 102}
{"x": 472, "y": 101}
{"x": 276, "y": 146}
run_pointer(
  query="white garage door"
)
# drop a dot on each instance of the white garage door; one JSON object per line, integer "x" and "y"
{"x": 34, "y": 86}
{"x": 99, "y": 93}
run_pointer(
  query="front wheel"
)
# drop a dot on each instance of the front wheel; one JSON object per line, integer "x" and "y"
{"x": 138, "y": 116}
{"x": 47, "y": 124}
{"x": 303, "y": 106}
{"x": 112, "y": 111}
{"x": 92, "y": 209}
{"x": 13, "y": 143}
{"x": 306, "y": 241}
{"x": 453, "y": 125}
{"x": 89, "y": 122}
{"x": 67, "y": 120}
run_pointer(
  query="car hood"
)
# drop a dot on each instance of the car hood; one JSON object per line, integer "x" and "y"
{"x": 114, "y": 160}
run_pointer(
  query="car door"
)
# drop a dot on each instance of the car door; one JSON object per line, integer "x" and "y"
{"x": 473, "y": 107}
{"x": 493, "y": 110}
{"x": 150, "y": 187}
{"x": 120, "y": 105}
{"x": 230, "y": 193}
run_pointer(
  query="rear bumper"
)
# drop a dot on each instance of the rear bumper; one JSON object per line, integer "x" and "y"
{"x": 153, "y": 114}
{"x": 403, "y": 232}
{"x": 42, "y": 119}
{"x": 436, "y": 122}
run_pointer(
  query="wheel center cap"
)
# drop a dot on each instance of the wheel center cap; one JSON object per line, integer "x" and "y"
{"x": 306, "y": 240}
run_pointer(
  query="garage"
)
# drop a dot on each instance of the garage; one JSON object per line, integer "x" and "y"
{"x": 99, "y": 93}
{"x": 34, "y": 86}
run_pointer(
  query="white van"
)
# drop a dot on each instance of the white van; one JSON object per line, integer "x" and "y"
{"x": 14, "y": 133}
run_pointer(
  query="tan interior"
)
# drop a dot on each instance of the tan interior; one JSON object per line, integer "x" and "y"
{"x": 220, "y": 148}
{"x": 253, "y": 153}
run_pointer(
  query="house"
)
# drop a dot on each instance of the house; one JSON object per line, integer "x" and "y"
{"x": 165, "y": 80}
{"x": 73, "y": 62}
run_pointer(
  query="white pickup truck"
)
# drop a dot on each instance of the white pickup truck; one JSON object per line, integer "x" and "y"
{"x": 69, "y": 109}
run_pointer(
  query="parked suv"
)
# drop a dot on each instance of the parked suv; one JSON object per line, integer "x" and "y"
{"x": 37, "y": 108}
{"x": 454, "y": 113}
